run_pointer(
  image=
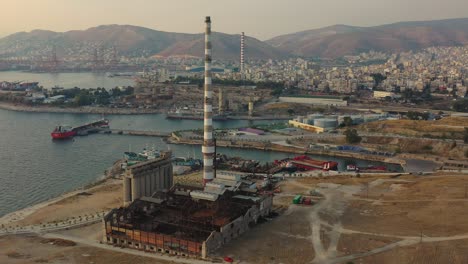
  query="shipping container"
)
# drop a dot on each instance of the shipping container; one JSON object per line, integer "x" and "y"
{"x": 297, "y": 199}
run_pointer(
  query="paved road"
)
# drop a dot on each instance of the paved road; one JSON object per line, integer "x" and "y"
{"x": 415, "y": 166}
{"x": 51, "y": 227}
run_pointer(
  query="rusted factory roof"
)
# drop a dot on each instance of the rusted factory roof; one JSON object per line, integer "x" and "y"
{"x": 180, "y": 215}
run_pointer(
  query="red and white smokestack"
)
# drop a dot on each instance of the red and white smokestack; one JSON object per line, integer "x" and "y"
{"x": 208, "y": 148}
{"x": 242, "y": 54}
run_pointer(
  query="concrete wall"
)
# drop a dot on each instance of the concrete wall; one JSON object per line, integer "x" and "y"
{"x": 237, "y": 227}
{"x": 314, "y": 101}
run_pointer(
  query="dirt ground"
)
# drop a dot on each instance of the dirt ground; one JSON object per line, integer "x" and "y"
{"x": 282, "y": 240}
{"x": 367, "y": 219}
{"x": 98, "y": 199}
{"x": 408, "y": 219}
{"x": 34, "y": 249}
{"x": 453, "y": 252}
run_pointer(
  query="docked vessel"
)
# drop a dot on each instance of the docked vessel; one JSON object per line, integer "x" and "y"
{"x": 305, "y": 163}
{"x": 132, "y": 158}
{"x": 192, "y": 115}
{"x": 63, "y": 132}
{"x": 369, "y": 168}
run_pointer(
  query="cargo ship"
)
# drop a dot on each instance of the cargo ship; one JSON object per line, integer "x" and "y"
{"x": 63, "y": 132}
{"x": 305, "y": 163}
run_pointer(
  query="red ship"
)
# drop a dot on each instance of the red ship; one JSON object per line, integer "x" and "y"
{"x": 63, "y": 132}
{"x": 306, "y": 163}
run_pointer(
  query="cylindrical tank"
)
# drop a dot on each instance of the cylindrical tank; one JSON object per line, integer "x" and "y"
{"x": 370, "y": 118}
{"x": 315, "y": 116}
{"x": 251, "y": 108}
{"x": 326, "y": 123}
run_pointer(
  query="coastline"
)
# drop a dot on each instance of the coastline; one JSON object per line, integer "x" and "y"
{"x": 116, "y": 111}
{"x": 79, "y": 110}
{"x": 295, "y": 150}
{"x": 22, "y": 214}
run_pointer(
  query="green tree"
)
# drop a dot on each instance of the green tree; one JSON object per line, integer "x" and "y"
{"x": 347, "y": 121}
{"x": 412, "y": 115}
{"x": 83, "y": 98}
{"x": 352, "y": 136}
{"x": 378, "y": 78}
{"x": 461, "y": 105}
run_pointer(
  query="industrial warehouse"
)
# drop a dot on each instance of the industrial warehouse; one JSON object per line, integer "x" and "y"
{"x": 187, "y": 220}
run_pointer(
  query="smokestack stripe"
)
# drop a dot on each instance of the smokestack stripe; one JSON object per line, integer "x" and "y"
{"x": 242, "y": 54}
{"x": 208, "y": 148}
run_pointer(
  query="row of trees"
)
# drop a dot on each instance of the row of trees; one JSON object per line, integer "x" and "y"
{"x": 100, "y": 96}
{"x": 461, "y": 106}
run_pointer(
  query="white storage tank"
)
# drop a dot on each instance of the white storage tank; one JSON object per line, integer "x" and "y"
{"x": 308, "y": 121}
{"x": 316, "y": 116}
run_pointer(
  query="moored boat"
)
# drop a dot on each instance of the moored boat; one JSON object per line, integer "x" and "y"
{"x": 63, "y": 132}
{"x": 307, "y": 163}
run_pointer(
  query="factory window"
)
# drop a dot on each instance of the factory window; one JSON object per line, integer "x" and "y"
{"x": 129, "y": 242}
{"x": 167, "y": 251}
{"x": 159, "y": 250}
{"x": 137, "y": 245}
{"x": 114, "y": 240}
{"x": 152, "y": 248}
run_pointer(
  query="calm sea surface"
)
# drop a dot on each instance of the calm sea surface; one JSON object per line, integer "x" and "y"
{"x": 33, "y": 168}
{"x": 66, "y": 80}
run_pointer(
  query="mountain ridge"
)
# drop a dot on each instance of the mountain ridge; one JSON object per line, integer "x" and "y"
{"x": 328, "y": 42}
{"x": 132, "y": 41}
{"x": 339, "y": 40}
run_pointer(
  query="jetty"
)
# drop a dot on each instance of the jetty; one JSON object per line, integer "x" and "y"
{"x": 138, "y": 133}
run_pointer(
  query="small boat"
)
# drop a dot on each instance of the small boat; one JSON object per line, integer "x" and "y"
{"x": 369, "y": 168}
{"x": 190, "y": 162}
{"x": 132, "y": 156}
{"x": 150, "y": 153}
{"x": 63, "y": 132}
{"x": 286, "y": 165}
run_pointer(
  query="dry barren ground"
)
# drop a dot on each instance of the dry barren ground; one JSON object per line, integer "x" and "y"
{"x": 379, "y": 219}
{"x": 33, "y": 249}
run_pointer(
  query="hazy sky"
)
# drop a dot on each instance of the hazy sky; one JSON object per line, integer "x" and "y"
{"x": 259, "y": 18}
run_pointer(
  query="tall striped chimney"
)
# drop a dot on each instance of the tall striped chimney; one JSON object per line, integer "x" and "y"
{"x": 208, "y": 148}
{"x": 242, "y": 55}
